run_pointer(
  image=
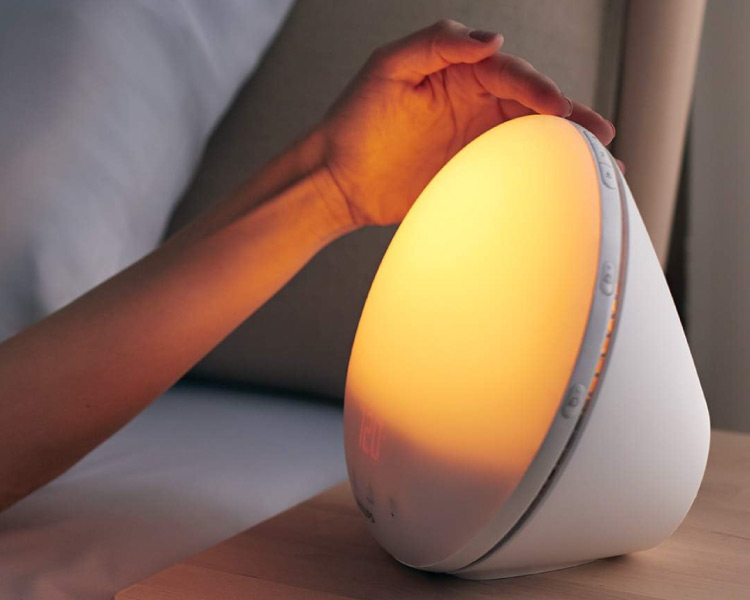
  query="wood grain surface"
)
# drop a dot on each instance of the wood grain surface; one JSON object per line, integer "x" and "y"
{"x": 321, "y": 550}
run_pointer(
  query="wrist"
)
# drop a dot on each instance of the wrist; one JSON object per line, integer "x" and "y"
{"x": 331, "y": 204}
{"x": 330, "y": 198}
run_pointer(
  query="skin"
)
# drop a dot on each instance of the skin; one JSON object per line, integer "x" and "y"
{"x": 74, "y": 378}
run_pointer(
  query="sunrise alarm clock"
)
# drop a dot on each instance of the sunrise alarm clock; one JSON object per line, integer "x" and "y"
{"x": 520, "y": 394}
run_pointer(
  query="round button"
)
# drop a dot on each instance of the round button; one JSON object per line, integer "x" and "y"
{"x": 607, "y": 279}
{"x": 574, "y": 400}
{"x": 608, "y": 175}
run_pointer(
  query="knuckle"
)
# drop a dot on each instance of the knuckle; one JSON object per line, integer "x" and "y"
{"x": 446, "y": 25}
{"x": 521, "y": 66}
{"x": 382, "y": 61}
{"x": 378, "y": 56}
{"x": 524, "y": 72}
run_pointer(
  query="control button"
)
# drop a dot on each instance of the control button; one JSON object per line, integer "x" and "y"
{"x": 607, "y": 281}
{"x": 608, "y": 175}
{"x": 574, "y": 400}
{"x": 601, "y": 153}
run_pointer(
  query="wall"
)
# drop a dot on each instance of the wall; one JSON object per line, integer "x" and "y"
{"x": 718, "y": 245}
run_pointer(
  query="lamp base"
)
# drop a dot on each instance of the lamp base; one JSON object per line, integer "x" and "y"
{"x": 531, "y": 570}
{"x": 632, "y": 474}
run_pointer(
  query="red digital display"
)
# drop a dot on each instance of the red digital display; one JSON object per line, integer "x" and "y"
{"x": 370, "y": 433}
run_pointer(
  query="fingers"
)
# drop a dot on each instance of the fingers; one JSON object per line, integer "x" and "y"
{"x": 594, "y": 122}
{"x": 512, "y": 109}
{"x": 511, "y": 78}
{"x": 582, "y": 115}
{"x": 520, "y": 88}
{"x": 432, "y": 49}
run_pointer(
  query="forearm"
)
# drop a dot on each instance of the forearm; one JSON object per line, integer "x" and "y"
{"x": 74, "y": 378}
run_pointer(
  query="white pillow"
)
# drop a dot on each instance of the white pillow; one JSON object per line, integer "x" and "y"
{"x": 105, "y": 107}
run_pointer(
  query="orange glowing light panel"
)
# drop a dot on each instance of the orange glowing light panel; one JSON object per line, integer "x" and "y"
{"x": 475, "y": 318}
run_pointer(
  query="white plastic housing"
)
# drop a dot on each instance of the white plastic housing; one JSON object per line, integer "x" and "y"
{"x": 588, "y": 438}
{"x": 640, "y": 456}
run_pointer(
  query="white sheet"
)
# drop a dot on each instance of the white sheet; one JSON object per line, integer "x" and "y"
{"x": 196, "y": 467}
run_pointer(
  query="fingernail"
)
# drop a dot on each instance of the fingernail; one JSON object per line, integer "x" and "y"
{"x": 570, "y": 106}
{"x": 482, "y": 36}
{"x": 612, "y": 127}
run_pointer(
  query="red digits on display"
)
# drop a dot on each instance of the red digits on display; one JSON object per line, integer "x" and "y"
{"x": 370, "y": 432}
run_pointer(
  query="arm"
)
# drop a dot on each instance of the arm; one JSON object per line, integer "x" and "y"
{"x": 74, "y": 378}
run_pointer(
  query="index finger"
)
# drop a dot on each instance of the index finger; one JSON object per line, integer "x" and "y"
{"x": 594, "y": 122}
{"x": 511, "y": 78}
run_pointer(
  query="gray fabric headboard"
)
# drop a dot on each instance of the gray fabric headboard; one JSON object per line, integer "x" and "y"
{"x": 301, "y": 339}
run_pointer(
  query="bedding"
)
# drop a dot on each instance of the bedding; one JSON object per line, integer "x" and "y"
{"x": 196, "y": 467}
{"x": 105, "y": 107}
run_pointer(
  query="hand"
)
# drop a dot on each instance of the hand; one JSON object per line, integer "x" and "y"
{"x": 417, "y": 102}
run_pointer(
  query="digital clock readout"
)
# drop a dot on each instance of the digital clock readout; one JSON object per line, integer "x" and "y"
{"x": 370, "y": 434}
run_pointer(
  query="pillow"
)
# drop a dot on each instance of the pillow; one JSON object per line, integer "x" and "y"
{"x": 105, "y": 107}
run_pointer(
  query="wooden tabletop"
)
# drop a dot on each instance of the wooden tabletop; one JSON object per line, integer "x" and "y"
{"x": 321, "y": 550}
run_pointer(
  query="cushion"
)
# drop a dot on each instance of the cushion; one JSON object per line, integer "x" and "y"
{"x": 105, "y": 107}
{"x": 301, "y": 339}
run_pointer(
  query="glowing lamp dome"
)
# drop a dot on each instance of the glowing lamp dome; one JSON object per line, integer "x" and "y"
{"x": 519, "y": 365}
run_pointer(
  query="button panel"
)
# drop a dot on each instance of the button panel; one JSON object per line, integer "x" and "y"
{"x": 601, "y": 153}
{"x": 574, "y": 400}
{"x": 602, "y": 156}
{"x": 608, "y": 175}
{"x": 590, "y": 136}
{"x": 607, "y": 280}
